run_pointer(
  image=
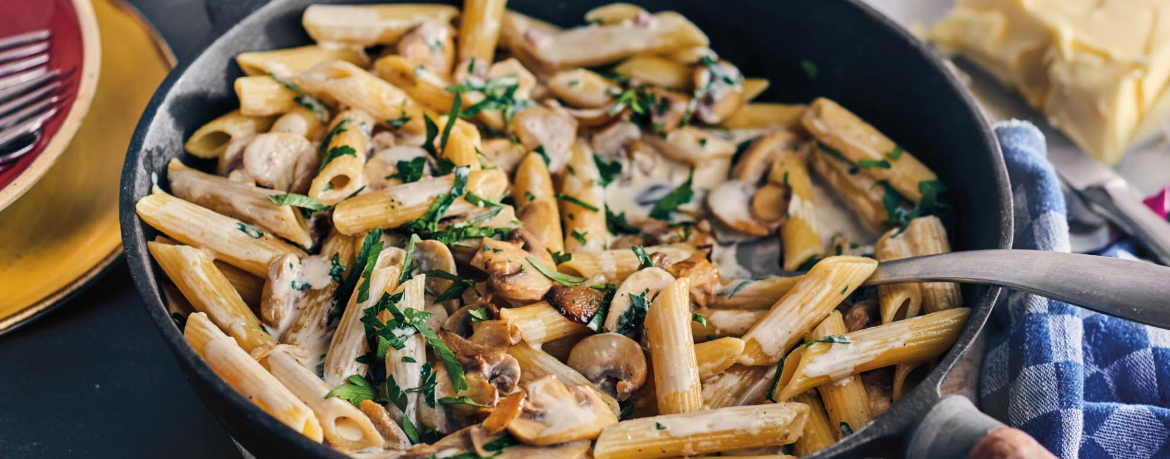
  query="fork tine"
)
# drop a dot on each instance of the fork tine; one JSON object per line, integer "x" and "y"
{"x": 26, "y": 127}
{"x": 28, "y": 37}
{"x": 23, "y": 51}
{"x": 31, "y": 111}
{"x": 24, "y": 64}
{"x": 19, "y": 83}
{"x": 32, "y": 95}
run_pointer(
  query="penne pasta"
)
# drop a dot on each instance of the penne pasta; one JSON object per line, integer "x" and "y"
{"x": 289, "y": 62}
{"x": 343, "y": 158}
{"x": 249, "y": 286}
{"x": 228, "y": 132}
{"x": 672, "y": 350}
{"x": 798, "y": 234}
{"x": 905, "y": 341}
{"x": 479, "y": 29}
{"x": 845, "y": 400}
{"x": 250, "y": 204}
{"x": 582, "y": 203}
{"x": 657, "y": 71}
{"x": 904, "y": 379}
{"x": 301, "y": 121}
{"x": 897, "y": 301}
{"x": 926, "y": 236}
{"x": 703, "y": 432}
{"x": 818, "y": 432}
{"x": 583, "y": 88}
{"x": 616, "y": 265}
{"x": 599, "y": 45}
{"x": 753, "y": 294}
{"x": 368, "y": 25}
{"x": 404, "y": 366}
{"x": 262, "y": 95}
{"x": 360, "y": 90}
{"x": 736, "y": 386}
{"x": 861, "y": 144}
{"x": 228, "y": 239}
{"x": 397, "y": 205}
{"x": 825, "y": 286}
{"x": 724, "y": 322}
{"x": 536, "y": 203}
{"x": 349, "y": 341}
{"x": 420, "y": 84}
{"x": 540, "y": 323}
{"x": 535, "y": 364}
{"x": 342, "y": 424}
{"x": 313, "y": 326}
{"x": 762, "y": 115}
{"x": 209, "y": 292}
{"x": 713, "y": 357}
{"x": 247, "y": 376}
{"x": 861, "y": 193}
{"x": 752, "y": 88}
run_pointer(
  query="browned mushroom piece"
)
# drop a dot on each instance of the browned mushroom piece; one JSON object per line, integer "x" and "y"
{"x": 430, "y": 45}
{"x": 393, "y": 435}
{"x": 770, "y": 203}
{"x": 759, "y": 155}
{"x": 613, "y": 362}
{"x": 697, "y": 234}
{"x": 578, "y": 304}
{"x": 863, "y": 314}
{"x": 510, "y": 275}
{"x": 485, "y": 356}
{"x": 705, "y": 280}
{"x": 667, "y": 110}
{"x": 613, "y": 141}
{"x": 555, "y": 414}
{"x": 548, "y": 129}
{"x": 720, "y": 91}
{"x": 280, "y": 161}
{"x": 730, "y": 203}
{"x": 502, "y": 414}
{"x": 645, "y": 282}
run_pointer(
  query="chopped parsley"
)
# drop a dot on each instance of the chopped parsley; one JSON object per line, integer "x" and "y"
{"x": 543, "y": 154}
{"x": 831, "y": 339}
{"x": 608, "y": 170}
{"x": 409, "y": 171}
{"x": 868, "y": 164}
{"x": 300, "y": 286}
{"x": 428, "y": 222}
{"x": 681, "y": 195}
{"x": 559, "y": 257}
{"x": 337, "y": 152}
{"x": 408, "y": 259}
{"x": 845, "y": 429}
{"x": 499, "y": 94}
{"x": 832, "y": 152}
{"x": 775, "y": 380}
{"x": 617, "y": 224}
{"x": 809, "y": 68}
{"x": 343, "y": 293}
{"x": 633, "y": 317}
{"x": 896, "y": 153}
{"x": 659, "y": 426}
{"x": 481, "y": 201}
{"x": 460, "y": 400}
{"x": 250, "y": 230}
{"x": 644, "y": 260}
{"x": 479, "y": 314}
{"x": 403, "y": 323}
{"x": 402, "y": 119}
{"x": 598, "y": 319}
{"x": 303, "y": 98}
{"x": 559, "y": 277}
{"x": 296, "y": 200}
{"x": 458, "y": 286}
{"x": 368, "y": 270}
{"x": 739, "y": 151}
{"x": 699, "y": 318}
{"x": 892, "y": 202}
{"x": 579, "y": 236}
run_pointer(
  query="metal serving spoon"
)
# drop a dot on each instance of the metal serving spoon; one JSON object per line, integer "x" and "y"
{"x": 1132, "y": 290}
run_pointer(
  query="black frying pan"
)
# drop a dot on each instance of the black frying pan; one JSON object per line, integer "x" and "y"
{"x": 864, "y": 61}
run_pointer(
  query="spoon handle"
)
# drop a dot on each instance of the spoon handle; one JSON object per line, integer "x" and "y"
{"x": 1128, "y": 289}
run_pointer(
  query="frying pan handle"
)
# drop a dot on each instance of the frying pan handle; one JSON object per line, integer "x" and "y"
{"x": 225, "y": 13}
{"x": 955, "y": 428}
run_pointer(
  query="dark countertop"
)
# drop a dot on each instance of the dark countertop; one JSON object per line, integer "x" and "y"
{"x": 93, "y": 378}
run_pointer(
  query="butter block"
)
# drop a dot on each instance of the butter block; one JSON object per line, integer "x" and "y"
{"x": 1100, "y": 69}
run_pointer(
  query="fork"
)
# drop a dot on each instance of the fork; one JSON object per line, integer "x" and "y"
{"x": 29, "y": 92}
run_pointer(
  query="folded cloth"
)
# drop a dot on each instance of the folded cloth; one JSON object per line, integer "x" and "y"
{"x": 1085, "y": 385}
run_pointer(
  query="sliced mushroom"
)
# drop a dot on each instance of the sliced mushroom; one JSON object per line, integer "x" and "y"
{"x": 720, "y": 88}
{"x": 705, "y": 280}
{"x": 647, "y": 282}
{"x": 612, "y": 141}
{"x": 862, "y": 314}
{"x": 431, "y": 44}
{"x": 730, "y": 203}
{"x": 451, "y": 417}
{"x": 385, "y": 163}
{"x": 434, "y": 255}
{"x": 279, "y": 294}
{"x": 698, "y": 235}
{"x": 456, "y": 443}
{"x": 393, "y": 435}
{"x": 668, "y": 110}
{"x": 555, "y": 132}
{"x": 758, "y": 156}
{"x": 690, "y": 144}
{"x": 555, "y": 414}
{"x": 502, "y": 414}
{"x": 503, "y": 153}
{"x": 578, "y": 304}
{"x": 613, "y": 362}
{"x": 280, "y": 161}
{"x": 583, "y": 88}
{"x": 770, "y": 203}
{"x": 485, "y": 354}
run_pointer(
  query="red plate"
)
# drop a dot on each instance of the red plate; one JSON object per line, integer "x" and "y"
{"x": 74, "y": 49}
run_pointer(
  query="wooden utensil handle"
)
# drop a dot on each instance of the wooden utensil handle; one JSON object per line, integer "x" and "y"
{"x": 955, "y": 428}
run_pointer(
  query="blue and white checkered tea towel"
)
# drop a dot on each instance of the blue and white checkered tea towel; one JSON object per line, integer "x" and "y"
{"x": 1085, "y": 385}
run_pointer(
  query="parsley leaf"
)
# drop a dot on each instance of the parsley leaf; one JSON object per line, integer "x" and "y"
{"x": 355, "y": 390}
{"x": 609, "y": 170}
{"x": 896, "y": 153}
{"x": 458, "y": 285}
{"x": 892, "y": 202}
{"x": 559, "y": 257}
{"x": 579, "y": 236}
{"x": 396, "y": 395}
{"x": 677, "y": 197}
{"x": 543, "y": 155}
{"x": 659, "y": 426}
{"x": 478, "y": 200}
{"x": 845, "y": 429}
{"x": 346, "y": 289}
{"x": 617, "y": 224}
{"x": 699, "y": 318}
{"x": 250, "y": 230}
{"x": 479, "y": 314}
{"x": 452, "y": 116}
{"x": 337, "y": 152}
{"x": 598, "y": 319}
{"x": 408, "y": 259}
{"x": 574, "y": 200}
{"x": 739, "y": 151}
{"x": 832, "y": 339}
{"x": 643, "y": 257}
{"x": 428, "y": 222}
{"x": 368, "y": 270}
{"x": 771, "y": 395}
{"x": 296, "y": 200}
{"x": 409, "y": 171}
{"x": 460, "y": 400}
{"x": 559, "y": 277}
{"x": 454, "y": 368}
{"x": 633, "y": 317}
{"x": 931, "y": 202}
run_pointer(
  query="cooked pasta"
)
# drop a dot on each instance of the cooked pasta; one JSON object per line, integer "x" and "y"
{"x": 445, "y": 232}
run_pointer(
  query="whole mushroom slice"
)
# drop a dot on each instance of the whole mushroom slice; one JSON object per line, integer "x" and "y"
{"x": 578, "y": 304}
{"x": 434, "y": 255}
{"x": 731, "y": 205}
{"x": 556, "y": 414}
{"x": 668, "y": 110}
{"x": 613, "y": 141}
{"x": 276, "y": 160}
{"x": 758, "y": 156}
{"x": 431, "y": 44}
{"x": 613, "y": 362}
{"x": 719, "y": 88}
{"x": 770, "y": 203}
{"x": 548, "y": 129}
{"x": 382, "y": 167}
{"x": 705, "y": 279}
{"x": 646, "y": 282}
{"x": 510, "y": 275}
